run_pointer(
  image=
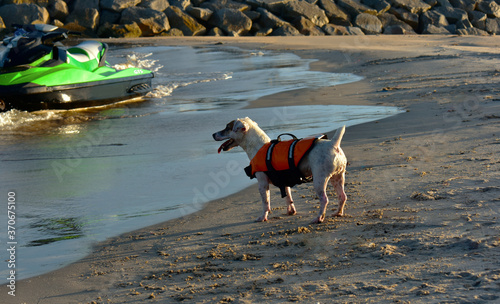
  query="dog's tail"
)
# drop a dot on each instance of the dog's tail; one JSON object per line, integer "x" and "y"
{"x": 337, "y": 137}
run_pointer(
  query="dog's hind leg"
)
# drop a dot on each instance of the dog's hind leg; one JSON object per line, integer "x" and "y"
{"x": 264, "y": 194}
{"x": 320, "y": 187}
{"x": 289, "y": 202}
{"x": 338, "y": 183}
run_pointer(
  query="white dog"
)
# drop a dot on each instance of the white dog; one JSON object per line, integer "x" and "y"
{"x": 325, "y": 161}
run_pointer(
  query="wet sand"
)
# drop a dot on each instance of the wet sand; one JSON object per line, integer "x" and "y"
{"x": 421, "y": 221}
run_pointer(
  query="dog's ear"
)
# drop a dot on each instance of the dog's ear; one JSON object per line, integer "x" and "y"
{"x": 240, "y": 126}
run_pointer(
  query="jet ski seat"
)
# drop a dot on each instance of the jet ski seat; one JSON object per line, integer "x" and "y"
{"x": 87, "y": 50}
{"x": 88, "y": 54}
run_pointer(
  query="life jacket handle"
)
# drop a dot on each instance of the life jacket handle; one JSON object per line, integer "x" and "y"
{"x": 293, "y": 136}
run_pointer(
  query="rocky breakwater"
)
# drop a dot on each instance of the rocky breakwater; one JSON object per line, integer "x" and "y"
{"x": 134, "y": 18}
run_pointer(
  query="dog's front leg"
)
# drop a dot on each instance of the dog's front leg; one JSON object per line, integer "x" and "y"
{"x": 264, "y": 194}
{"x": 289, "y": 202}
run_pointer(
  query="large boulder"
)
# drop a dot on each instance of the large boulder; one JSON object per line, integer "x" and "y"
{"x": 58, "y": 9}
{"x": 453, "y": 15}
{"x": 296, "y": 9}
{"x": 120, "y": 30}
{"x": 334, "y": 13}
{"x": 87, "y": 18}
{"x": 158, "y": 5}
{"x": 478, "y": 19}
{"x": 407, "y": 17}
{"x": 286, "y": 30}
{"x": 23, "y": 14}
{"x": 432, "y": 29}
{"x": 200, "y": 13}
{"x": 150, "y": 21}
{"x": 215, "y": 5}
{"x": 355, "y": 8}
{"x": 381, "y": 6}
{"x": 432, "y": 17}
{"x": 466, "y": 5}
{"x": 413, "y": 6}
{"x": 368, "y": 23}
{"x": 490, "y": 8}
{"x": 231, "y": 21}
{"x": 307, "y": 27}
{"x": 472, "y": 31}
{"x": 182, "y": 21}
{"x": 118, "y": 5}
{"x": 269, "y": 20}
{"x": 492, "y": 26}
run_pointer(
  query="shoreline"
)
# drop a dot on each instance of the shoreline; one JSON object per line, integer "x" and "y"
{"x": 396, "y": 187}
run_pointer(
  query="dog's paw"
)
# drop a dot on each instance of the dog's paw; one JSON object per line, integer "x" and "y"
{"x": 318, "y": 220}
{"x": 262, "y": 219}
{"x": 338, "y": 213}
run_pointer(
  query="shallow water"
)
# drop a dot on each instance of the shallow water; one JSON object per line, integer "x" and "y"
{"x": 82, "y": 176}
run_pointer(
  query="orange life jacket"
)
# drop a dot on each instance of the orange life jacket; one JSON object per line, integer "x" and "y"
{"x": 280, "y": 161}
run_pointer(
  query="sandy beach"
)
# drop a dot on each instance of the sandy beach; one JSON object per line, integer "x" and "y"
{"x": 423, "y": 187}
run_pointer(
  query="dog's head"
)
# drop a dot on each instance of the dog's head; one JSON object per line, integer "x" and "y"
{"x": 233, "y": 134}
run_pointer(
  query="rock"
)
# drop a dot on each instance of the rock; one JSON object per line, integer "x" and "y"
{"x": 352, "y": 30}
{"x": 330, "y": 29}
{"x": 405, "y": 16}
{"x": 269, "y": 20}
{"x": 478, "y": 19}
{"x": 274, "y": 6}
{"x": 413, "y": 6}
{"x": 23, "y": 14}
{"x": 58, "y": 9}
{"x": 334, "y": 13}
{"x": 443, "y": 3}
{"x": 215, "y": 5}
{"x": 150, "y": 21}
{"x": 397, "y": 30}
{"x": 173, "y": 32}
{"x": 110, "y": 17}
{"x": 263, "y": 32}
{"x": 295, "y": 9}
{"x": 231, "y": 21}
{"x": 158, "y": 5}
{"x": 200, "y": 13}
{"x": 354, "y": 8}
{"x": 368, "y": 23}
{"x": 87, "y": 18}
{"x": 490, "y": 8}
{"x": 307, "y": 27}
{"x": 215, "y": 31}
{"x": 119, "y": 30}
{"x": 118, "y": 5}
{"x": 381, "y": 6}
{"x": 285, "y": 30}
{"x": 77, "y": 5}
{"x": 492, "y": 26}
{"x": 3, "y": 28}
{"x": 464, "y": 24}
{"x": 182, "y": 4}
{"x": 472, "y": 31}
{"x": 466, "y": 5}
{"x": 393, "y": 25}
{"x": 453, "y": 15}
{"x": 432, "y": 29}
{"x": 432, "y": 18}
{"x": 253, "y": 15}
{"x": 182, "y": 21}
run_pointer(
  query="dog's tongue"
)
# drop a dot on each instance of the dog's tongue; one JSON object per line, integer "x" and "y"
{"x": 220, "y": 148}
{"x": 224, "y": 145}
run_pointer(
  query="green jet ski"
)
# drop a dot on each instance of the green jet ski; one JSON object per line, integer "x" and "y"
{"x": 37, "y": 72}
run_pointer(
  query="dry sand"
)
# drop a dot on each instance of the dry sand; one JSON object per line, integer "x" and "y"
{"x": 423, "y": 188}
